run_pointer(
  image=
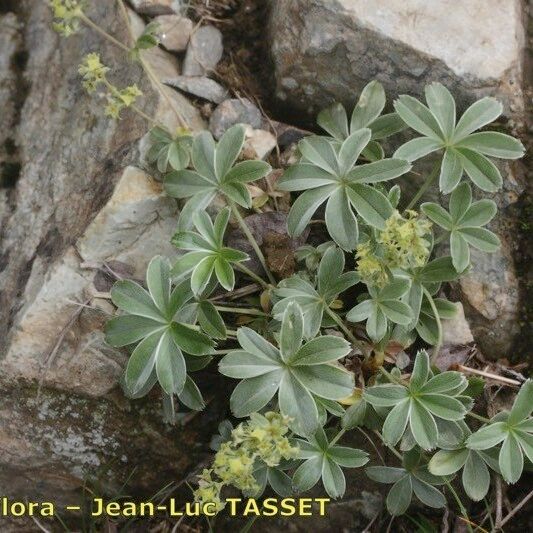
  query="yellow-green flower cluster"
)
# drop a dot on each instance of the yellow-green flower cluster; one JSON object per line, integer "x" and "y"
{"x": 117, "y": 99}
{"x": 403, "y": 241}
{"x": 66, "y": 16}
{"x": 261, "y": 438}
{"x": 93, "y": 71}
{"x": 369, "y": 266}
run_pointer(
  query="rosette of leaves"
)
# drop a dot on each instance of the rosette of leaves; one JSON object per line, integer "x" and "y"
{"x": 215, "y": 172}
{"x": 412, "y": 477}
{"x": 207, "y": 255}
{"x": 296, "y": 371}
{"x": 464, "y": 222}
{"x": 382, "y": 306}
{"x": 323, "y": 461}
{"x": 366, "y": 114}
{"x": 169, "y": 152}
{"x": 314, "y": 302}
{"x": 312, "y": 254}
{"x": 514, "y": 429}
{"x": 463, "y": 150}
{"x": 474, "y": 463}
{"x": 420, "y": 403}
{"x": 330, "y": 174}
{"x": 152, "y": 319}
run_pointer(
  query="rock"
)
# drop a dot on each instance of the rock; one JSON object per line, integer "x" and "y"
{"x": 135, "y": 224}
{"x": 331, "y": 52}
{"x": 156, "y": 7}
{"x": 200, "y": 86}
{"x": 204, "y": 51}
{"x": 457, "y": 329}
{"x": 231, "y": 112}
{"x": 260, "y": 142}
{"x": 63, "y": 416}
{"x": 174, "y": 32}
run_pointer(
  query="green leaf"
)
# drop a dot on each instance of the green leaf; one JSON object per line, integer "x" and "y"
{"x": 379, "y": 171}
{"x": 132, "y": 298}
{"x": 523, "y": 404}
{"x": 241, "y": 365}
{"x": 494, "y": 144}
{"x": 386, "y": 125}
{"x": 481, "y": 170}
{"x": 446, "y": 382}
{"x": 251, "y": 395}
{"x": 372, "y": 205}
{"x": 459, "y": 250}
{"x": 476, "y": 116}
{"x": 203, "y": 155}
{"x": 351, "y": 149}
{"x": 238, "y": 193}
{"x": 254, "y": 344}
{"x": 340, "y": 220}
{"x": 481, "y": 238}
{"x": 333, "y": 479}
{"x": 169, "y": 365}
{"x": 443, "y": 406}
{"x": 438, "y": 270}
{"x": 369, "y": 106}
{"x": 418, "y": 148}
{"x": 224, "y": 273}
{"x": 511, "y": 459}
{"x": 396, "y": 422}
{"x": 308, "y": 474}
{"x": 476, "y": 477}
{"x": 376, "y": 325}
{"x": 487, "y": 437}
{"x": 202, "y": 274}
{"x": 141, "y": 363}
{"x": 247, "y": 171}
{"x": 189, "y": 340}
{"x": 451, "y": 171}
{"x": 437, "y": 214}
{"x": 361, "y": 311}
{"x": 158, "y": 281}
{"x": 291, "y": 335}
{"x": 420, "y": 372}
{"x": 427, "y": 494}
{"x": 478, "y": 214}
{"x": 396, "y": 311}
{"x": 319, "y": 151}
{"x": 399, "y": 496}
{"x": 442, "y": 105}
{"x": 191, "y": 396}
{"x": 417, "y": 116}
{"x": 348, "y": 457}
{"x": 385, "y": 474}
{"x": 423, "y": 426}
{"x": 228, "y": 149}
{"x": 305, "y": 206}
{"x": 448, "y": 462}
{"x": 385, "y": 395}
{"x": 460, "y": 201}
{"x": 211, "y": 321}
{"x": 296, "y": 402}
{"x": 194, "y": 203}
{"x": 327, "y": 381}
{"x": 127, "y": 329}
{"x": 304, "y": 176}
{"x": 321, "y": 350}
{"x": 334, "y": 120}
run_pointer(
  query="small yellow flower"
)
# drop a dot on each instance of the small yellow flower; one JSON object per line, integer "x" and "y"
{"x": 66, "y": 16}
{"x": 93, "y": 71}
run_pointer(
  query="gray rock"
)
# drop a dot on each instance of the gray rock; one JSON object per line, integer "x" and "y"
{"x": 174, "y": 32}
{"x": 156, "y": 7}
{"x": 326, "y": 51}
{"x": 200, "y": 86}
{"x": 234, "y": 111}
{"x": 204, "y": 51}
{"x": 457, "y": 330}
{"x": 261, "y": 142}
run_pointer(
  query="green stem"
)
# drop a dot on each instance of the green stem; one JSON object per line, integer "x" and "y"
{"x": 438, "y": 344}
{"x": 251, "y": 239}
{"x": 478, "y": 417}
{"x": 391, "y": 448}
{"x": 337, "y": 319}
{"x": 425, "y": 186}
{"x": 87, "y": 21}
{"x": 461, "y": 506}
{"x": 240, "y": 310}
{"x": 337, "y": 437}
{"x": 253, "y": 275}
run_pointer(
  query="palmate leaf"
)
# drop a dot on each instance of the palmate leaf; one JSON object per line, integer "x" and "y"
{"x": 464, "y": 222}
{"x": 420, "y": 403}
{"x": 207, "y": 255}
{"x": 151, "y": 318}
{"x": 328, "y": 173}
{"x": 323, "y": 460}
{"x": 382, "y": 307}
{"x": 331, "y": 281}
{"x": 463, "y": 150}
{"x": 215, "y": 172}
{"x": 412, "y": 477}
{"x": 166, "y": 151}
{"x": 514, "y": 430}
{"x": 297, "y": 371}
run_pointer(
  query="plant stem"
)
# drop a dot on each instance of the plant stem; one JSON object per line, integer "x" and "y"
{"x": 88, "y": 22}
{"x": 438, "y": 344}
{"x": 478, "y": 417}
{"x": 337, "y": 437}
{"x": 240, "y": 310}
{"x": 391, "y": 448}
{"x": 461, "y": 506}
{"x": 252, "y": 241}
{"x": 253, "y": 275}
{"x": 335, "y": 317}
{"x": 425, "y": 186}
{"x": 148, "y": 69}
